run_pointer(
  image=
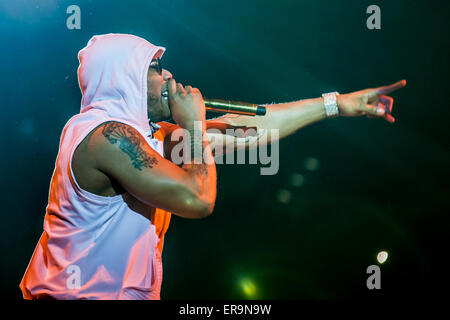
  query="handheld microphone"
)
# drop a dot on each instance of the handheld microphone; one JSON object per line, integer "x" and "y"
{"x": 227, "y": 106}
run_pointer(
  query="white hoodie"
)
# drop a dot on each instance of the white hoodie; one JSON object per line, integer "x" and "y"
{"x": 96, "y": 247}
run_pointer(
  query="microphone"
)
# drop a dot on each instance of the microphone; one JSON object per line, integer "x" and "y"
{"x": 227, "y": 106}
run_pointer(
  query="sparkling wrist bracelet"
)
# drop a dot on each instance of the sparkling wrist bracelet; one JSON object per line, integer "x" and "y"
{"x": 330, "y": 104}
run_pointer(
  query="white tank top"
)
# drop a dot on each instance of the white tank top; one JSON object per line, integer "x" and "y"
{"x": 95, "y": 247}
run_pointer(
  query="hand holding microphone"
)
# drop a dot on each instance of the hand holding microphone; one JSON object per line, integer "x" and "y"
{"x": 227, "y": 106}
{"x": 186, "y": 104}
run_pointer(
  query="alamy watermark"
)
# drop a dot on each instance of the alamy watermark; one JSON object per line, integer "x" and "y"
{"x": 74, "y": 20}
{"x": 374, "y": 20}
{"x": 234, "y": 146}
{"x": 74, "y": 280}
{"x": 374, "y": 280}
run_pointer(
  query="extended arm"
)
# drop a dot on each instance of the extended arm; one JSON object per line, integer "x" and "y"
{"x": 287, "y": 118}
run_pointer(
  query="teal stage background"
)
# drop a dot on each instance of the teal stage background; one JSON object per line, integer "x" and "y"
{"x": 347, "y": 188}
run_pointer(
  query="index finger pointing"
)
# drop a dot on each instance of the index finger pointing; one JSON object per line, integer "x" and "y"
{"x": 388, "y": 89}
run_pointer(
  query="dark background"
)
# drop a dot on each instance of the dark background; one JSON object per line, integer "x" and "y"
{"x": 366, "y": 185}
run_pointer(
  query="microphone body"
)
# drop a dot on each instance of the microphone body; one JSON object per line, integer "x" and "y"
{"x": 236, "y": 107}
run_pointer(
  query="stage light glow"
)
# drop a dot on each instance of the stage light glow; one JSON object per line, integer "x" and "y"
{"x": 29, "y": 12}
{"x": 248, "y": 288}
{"x": 26, "y": 127}
{"x": 297, "y": 180}
{"x": 382, "y": 257}
{"x": 284, "y": 196}
{"x": 312, "y": 164}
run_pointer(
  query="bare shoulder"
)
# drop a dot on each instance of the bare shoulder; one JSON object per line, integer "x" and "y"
{"x": 112, "y": 141}
{"x": 85, "y": 166}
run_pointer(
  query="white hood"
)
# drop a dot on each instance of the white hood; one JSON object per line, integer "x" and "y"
{"x": 113, "y": 77}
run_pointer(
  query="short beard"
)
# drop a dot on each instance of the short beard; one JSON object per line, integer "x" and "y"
{"x": 153, "y": 104}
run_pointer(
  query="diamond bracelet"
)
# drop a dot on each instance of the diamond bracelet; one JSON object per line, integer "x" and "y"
{"x": 330, "y": 103}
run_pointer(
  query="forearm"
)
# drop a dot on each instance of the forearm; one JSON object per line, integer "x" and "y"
{"x": 292, "y": 116}
{"x": 287, "y": 118}
{"x": 202, "y": 168}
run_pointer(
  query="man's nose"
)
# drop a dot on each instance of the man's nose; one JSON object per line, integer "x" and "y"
{"x": 166, "y": 74}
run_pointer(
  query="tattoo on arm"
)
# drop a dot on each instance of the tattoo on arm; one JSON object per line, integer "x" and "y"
{"x": 197, "y": 149}
{"x": 129, "y": 143}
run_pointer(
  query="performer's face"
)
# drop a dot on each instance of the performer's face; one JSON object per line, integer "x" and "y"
{"x": 158, "y": 108}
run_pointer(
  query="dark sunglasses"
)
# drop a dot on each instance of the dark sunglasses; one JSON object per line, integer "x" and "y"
{"x": 156, "y": 64}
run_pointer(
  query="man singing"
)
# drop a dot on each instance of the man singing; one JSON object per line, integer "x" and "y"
{"x": 115, "y": 185}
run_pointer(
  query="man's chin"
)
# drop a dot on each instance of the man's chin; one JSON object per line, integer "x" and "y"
{"x": 167, "y": 115}
{"x": 162, "y": 118}
{"x": 168, "y": 119}
{"x": 160, "y": 112}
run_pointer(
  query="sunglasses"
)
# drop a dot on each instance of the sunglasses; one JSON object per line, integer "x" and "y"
{"x": 156, "y": 64}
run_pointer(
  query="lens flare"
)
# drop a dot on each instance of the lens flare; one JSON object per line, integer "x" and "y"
{"x": 248, "y": 287}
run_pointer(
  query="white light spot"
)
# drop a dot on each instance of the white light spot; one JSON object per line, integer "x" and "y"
{"x": 382, "y": 256}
